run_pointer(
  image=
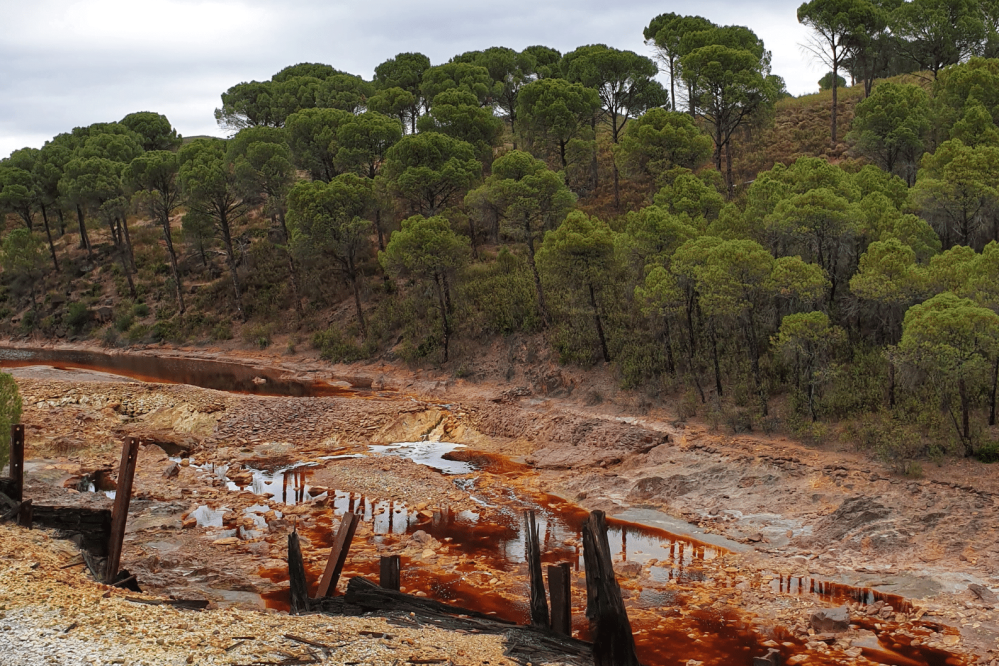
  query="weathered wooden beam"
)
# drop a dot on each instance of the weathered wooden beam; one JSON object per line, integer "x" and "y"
{"x": 296, "y": 576}
{"x": 89, "y": 528}
{"x": 560, "y": 590}
{"x": 25, "y": 517}
{"x": 390, "y": 574}
{"x": 17, "y": 462}
{"x": 531, "y": 644}
{"x": 613, "y": 641}
{"x": 338, "y": 555}
{"x": 119, "y": 514}
{"x": 539, "y": 602}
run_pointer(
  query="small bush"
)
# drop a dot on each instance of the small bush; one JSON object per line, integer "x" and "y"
{"x": 110, "y": 337}
{"x": 123, "y": 322}
{"x": 140, "y": 310}
{"x": 137, "y": 333}
{"x": 221, "y": 331}
{"x": 988, "y": 452}
{"x": 333, "y": 346}
{"x": 258, "y": 334}
{"x": 687, "y": 407}
{"x": 77, "y": 316}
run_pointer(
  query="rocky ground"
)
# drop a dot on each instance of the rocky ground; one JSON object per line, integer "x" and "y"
{"x": 775, "y": 515}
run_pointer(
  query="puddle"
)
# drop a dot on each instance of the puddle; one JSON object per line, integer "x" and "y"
{"x": 835, "y": 593}
{"x": 430, "y": 454}
{"x": 206, "y": 373}
{"x": 207, "y": 517}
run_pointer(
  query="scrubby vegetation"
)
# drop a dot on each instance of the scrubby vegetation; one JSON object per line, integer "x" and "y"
{"x": 826, "y": 265}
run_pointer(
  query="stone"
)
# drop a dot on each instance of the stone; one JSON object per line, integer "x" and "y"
{"x": 830, "y": 620}
{"x": 772, "y": 658}
{"x": 227, "y": 541}
{"x": 983, "y": 593}
{"x": 171, "y": 471}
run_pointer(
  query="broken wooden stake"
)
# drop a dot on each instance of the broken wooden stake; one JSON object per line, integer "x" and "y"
{"x": 559, "y": 588}
{"x": 390, "y": 572}
{"x": 12, "y": 513}
{"x": 539, "y": 603}
{"x": 613, "y": 641}
{"x": 26, "y": 514}
{"x": 296, "y": 576}
{"x": 17, "y": 462}
{"x": 119, "y": 514}
{"x": 338, "y": 555}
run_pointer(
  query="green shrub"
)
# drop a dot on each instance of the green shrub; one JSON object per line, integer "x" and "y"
{"x": 334, "y": 347}
{"x": 77, "y": 316}
{"x": 10, "y": 413}
{"x": 221, "y": 331}
{"x": 258, "y": 334}
{"x": 988, "y": 452}
{"x": 140, "y": 310}
{"x": 110, "y": 337}
{"x": 137, "y": 333}
{"x": 27, "y": 324}
{"x": 123, "y": 322}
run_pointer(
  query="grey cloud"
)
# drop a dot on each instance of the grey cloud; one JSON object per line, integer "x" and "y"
{"x": 67, "y": 64}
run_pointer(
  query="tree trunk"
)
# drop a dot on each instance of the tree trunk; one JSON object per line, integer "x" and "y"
{"x": 542, "y": 307}
{"x": 891, "y": 383}
{"x": 835, "y": 86}
{"x": 729, "y": 180}
{"x": 45, "y": 220}
{"x": 378, "y": 228}
{"x": 84, "y": 239}
{"x": 231, "y": 260}
{"x": 965, "y": 418}
{"x": 128, "y": 242}
{"x": 754, "y": 358}
{"x": 600, "y": 326}
{"x": 293, "y": 273}
{"x": 357, "y": 302}
{"x": 992, "y": 397}
{"x": 714, "y": 354}
{"x": 445, "y": 323}
{"x": 617, "y": 188}
{"x": 62, "y": 222}
{"x": 165, "y": 220}
{"x": 594, "y": 172}
{"x": 670, "y": 365}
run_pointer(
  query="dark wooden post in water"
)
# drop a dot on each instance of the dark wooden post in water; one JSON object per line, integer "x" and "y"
{"x": 17, "y": 462}
{"x": 299, "y": 587}
{"x": 613, "y": 642}
{"x": 390, "y": 575}
{"x": 338, "y": 555}
{"x": 119, "y": 514}
{"x": 539, "y": 603}
{"x": 559, "y": 588}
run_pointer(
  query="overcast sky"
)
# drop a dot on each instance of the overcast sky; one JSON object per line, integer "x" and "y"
{"x": 69, "y": 63}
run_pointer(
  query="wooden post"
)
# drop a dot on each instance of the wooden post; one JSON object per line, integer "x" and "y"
{"x": 390, "y": 573}
{"x": 17, "y": 461}
{"x": 559, "y": 588}
{"x": 338, "y": 555}
{"x": 539, "y": 603}
{"x": 613, "y": 642}
{"x": 26, "y": 515}
{"x": 119, "y": 514}
{"x": 296, "y": 576}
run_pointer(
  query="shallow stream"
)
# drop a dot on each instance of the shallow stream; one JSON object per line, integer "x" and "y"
{"x": 672, "y": 583}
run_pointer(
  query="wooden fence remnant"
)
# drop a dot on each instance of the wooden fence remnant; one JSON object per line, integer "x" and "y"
{"x": 390, "y": 573}
{"x": 338, "y": 555}
{"x": 17, "y": 462}
{"x": 119, "y": 514}
{"x": 613, "y": 641}
{"x": 26, "y": 515}
{"x": 559, "y": 589}
{"x": 539, "y": 602}
{"x": 296, "y": 576}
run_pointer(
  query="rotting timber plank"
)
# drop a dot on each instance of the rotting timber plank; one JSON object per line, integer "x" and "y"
{"x": 123, "y": 496}
{"x": 613, "y": 641}
{"x": 534, "y": 644}
{"x": 338, "y": 555}
{"x": 560, "y": 590}
{"x": 299, "y": 587}
{"x": 539, "y": 602}
{"x": 389, "y": 572}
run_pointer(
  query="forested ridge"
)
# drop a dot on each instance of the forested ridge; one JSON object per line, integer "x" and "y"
{"x": 819, "y": 264}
